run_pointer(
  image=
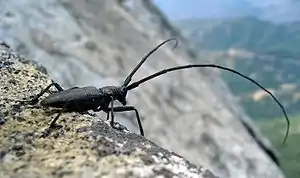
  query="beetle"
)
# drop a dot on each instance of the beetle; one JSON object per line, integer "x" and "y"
{"x": 82, "y": 99}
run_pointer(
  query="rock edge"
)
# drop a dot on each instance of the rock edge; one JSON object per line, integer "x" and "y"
{"x": 84, "y": 146}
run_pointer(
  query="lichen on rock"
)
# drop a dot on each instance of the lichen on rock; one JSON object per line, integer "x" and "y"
{"x": 85, "y": 146}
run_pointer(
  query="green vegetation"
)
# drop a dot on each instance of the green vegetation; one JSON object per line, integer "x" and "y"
{"x": 290, "y": 152}
{"x": 265, "y": 107}
{"x": 274, "y": 71}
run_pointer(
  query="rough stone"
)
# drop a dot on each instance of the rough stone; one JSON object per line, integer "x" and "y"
{"x": 96, "y": 150}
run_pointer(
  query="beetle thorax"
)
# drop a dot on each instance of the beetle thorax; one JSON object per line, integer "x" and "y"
{"x": 118, "y": 93}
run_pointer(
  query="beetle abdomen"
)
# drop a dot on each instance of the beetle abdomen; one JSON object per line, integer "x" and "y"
{"x": 79, "y": 99}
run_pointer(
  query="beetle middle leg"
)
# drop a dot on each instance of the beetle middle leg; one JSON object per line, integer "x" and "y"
{"x": 112, "y": 122}
{"x": 53, "y": 122}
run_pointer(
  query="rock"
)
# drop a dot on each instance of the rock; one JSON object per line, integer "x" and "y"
{"x": 84, "y": 146}
{"x": 97, "y": 43}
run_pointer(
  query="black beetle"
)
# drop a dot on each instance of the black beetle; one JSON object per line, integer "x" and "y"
{"x": 82, "y": 99}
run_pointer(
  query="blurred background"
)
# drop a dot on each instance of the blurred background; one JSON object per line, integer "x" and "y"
{"x": 213, "y": 118}
{"x": 262, "y": 40}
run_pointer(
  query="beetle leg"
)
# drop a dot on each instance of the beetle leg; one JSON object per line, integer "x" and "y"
{"x": 129, "y": 108}
{"x": 106, "y": 110}
{"x": 111, "y": 110}
{"x": 57, "y": 86}
{"x": 107, "y": 116}
{"x": 112, "y": 121}
{"x": 52, "y": 124}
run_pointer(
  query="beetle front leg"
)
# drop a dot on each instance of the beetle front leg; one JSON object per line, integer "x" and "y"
{"x": 131, "y": 108}
{"x": 111, "y": 110}
{"x": 124, "y": 109}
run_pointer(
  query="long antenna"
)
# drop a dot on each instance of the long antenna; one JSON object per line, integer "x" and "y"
{"x": 136, "y": 84}
{"x": 128, "y": 79}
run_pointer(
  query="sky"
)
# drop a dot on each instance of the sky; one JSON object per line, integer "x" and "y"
{"x": 273, "y": 10}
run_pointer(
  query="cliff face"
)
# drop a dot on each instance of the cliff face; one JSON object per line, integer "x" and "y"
{"x": 99, "y": 42}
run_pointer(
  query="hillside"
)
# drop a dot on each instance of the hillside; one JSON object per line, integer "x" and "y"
{"x": 275, "y": 11}
{"x": 274, "y": 59}
{"x": 248, "y": 33}
{"x": 289, "y": 159}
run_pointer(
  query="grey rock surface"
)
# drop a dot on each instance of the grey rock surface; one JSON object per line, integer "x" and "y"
{"x": 99, "y": 42}
{"x": 84, "y": 146}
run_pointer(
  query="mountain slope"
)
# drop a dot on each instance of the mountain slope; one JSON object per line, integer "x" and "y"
{"x": 275, "y": 11}
{"x": 248, "y": 33}
{"x": 273, "y": 59}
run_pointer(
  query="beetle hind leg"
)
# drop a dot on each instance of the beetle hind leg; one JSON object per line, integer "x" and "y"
{"x": 36, "y": 98}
